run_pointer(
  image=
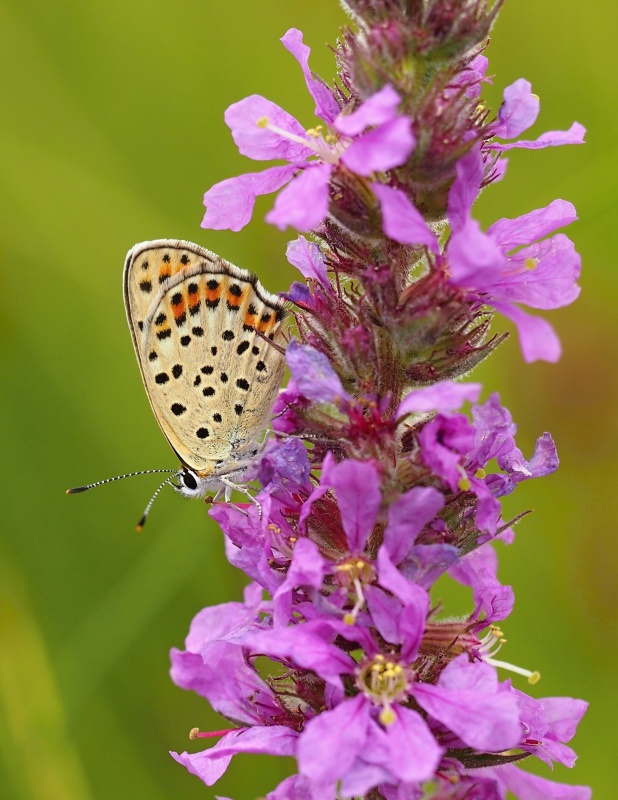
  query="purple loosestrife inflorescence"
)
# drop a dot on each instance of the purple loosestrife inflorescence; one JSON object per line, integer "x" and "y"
{"x": 385, "y": 473}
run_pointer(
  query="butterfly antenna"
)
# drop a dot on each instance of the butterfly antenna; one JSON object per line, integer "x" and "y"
{"x": 79, "y": 489}
{"x": 142, "y": 521}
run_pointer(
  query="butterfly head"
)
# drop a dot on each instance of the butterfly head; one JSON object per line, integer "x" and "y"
{"x": 193, "y": 485}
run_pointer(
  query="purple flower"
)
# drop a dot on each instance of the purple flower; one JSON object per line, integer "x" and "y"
{"x": 369, "y": 728}
{"x": 518, "y": 112}
{"x": 494, "y": 437}
{"x": 373, "y": 138}
{"x": 508, "y": 264}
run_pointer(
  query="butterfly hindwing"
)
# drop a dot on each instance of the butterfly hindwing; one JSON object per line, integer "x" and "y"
{"x": 211, "y": 378}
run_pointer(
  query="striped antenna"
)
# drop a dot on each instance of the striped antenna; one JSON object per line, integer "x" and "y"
{"x": 142, "y": 521}
{"x": 79, "y": 489}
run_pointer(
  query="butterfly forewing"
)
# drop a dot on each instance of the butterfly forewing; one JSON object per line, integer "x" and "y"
{"x": 211, "y": 378}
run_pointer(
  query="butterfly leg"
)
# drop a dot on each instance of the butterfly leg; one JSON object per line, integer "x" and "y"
{"x": 230, "y": 486}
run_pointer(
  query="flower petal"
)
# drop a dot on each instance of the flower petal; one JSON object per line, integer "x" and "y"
{"x": 380, "y": 149}
{"x": 574, "y": 135}
{"x": 488, "y": 722}
{"x": 326, "y": 107}
{"x": 474, "y": 260}
{"x": 358, "y": 496}
{"x": 407, "y": 517}
{"x": 306, "y": 649}
{"x": 307, "y": 257}
{"x": 303, "y": 204}
{"x": 229, "y": 203}
{"x": 525, "y": 786}
{"x": 259, "y": 142}
{"x": 315, "y": 378}
{"x": 465, "y": 188}
{"x": 518, "y": 111}
{"x": 413, "y": 616}
{"x": 206, "y": 768}
{"x": 401, "y": 221}
{"x": 307, "y": 569}
{"x": 542, "y": 275}
{"x": 276, "y": 740}
{"x": 414, "y": 752}
{"x": 537, "y": 338}
{"x": 442, "y": 396}
{"x": 332, "y": 740}
{"x": 381, "y": 107}
{"x": 528, "y": 228}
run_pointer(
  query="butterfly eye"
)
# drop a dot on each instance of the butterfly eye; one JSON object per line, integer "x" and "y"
{"x": 188, "y": 479}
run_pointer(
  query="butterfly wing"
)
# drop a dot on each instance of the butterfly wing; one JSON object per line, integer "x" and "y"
{"x": 211, "y": 378}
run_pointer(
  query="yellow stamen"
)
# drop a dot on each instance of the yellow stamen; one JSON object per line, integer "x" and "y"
{"x": 262, "y": 122}
{"x": 531, "y": 263}
{"x": 464, "y": 484}
{"x": 480, "y": 473}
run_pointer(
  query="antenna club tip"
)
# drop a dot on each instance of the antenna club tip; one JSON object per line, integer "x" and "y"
{"x": 76, "y": 490}
{"x": 140, "y": 525}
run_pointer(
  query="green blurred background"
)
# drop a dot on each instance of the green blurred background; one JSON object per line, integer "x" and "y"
{"x": 112, "y": 128}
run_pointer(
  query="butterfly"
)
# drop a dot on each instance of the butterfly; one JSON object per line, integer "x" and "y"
{"x": 209, "y": 343}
